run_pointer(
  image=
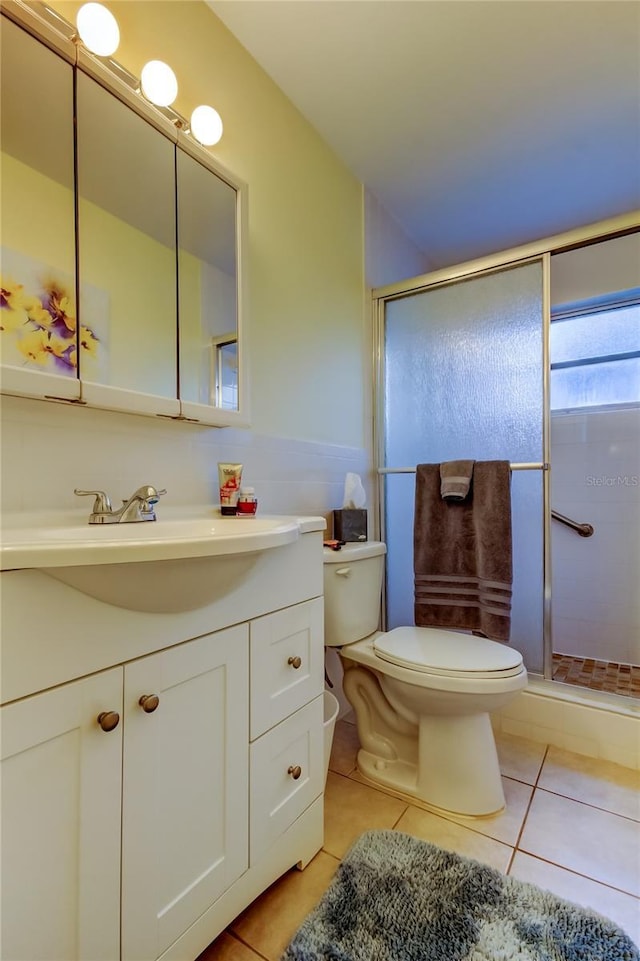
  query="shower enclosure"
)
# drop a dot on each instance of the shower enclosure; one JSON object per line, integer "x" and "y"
{"x": 463, "y": 376}
{"x": 464, "y": 372}
{"x": 595, "y": 457}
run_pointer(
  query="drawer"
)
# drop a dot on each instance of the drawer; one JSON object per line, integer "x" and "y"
{"x": 287, "y": 663}
{"x": 279, "y": 792}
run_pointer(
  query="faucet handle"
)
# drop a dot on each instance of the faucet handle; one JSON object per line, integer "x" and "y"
{"x": 101, "y": 505}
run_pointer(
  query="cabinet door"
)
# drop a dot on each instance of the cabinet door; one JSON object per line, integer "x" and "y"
{"x": 61, "y": 790}
{"x": 38, "y": 334}
{"x": 287, "y": 663}
{"x": 126, "y": 254}
{"x": 185, "y": 793}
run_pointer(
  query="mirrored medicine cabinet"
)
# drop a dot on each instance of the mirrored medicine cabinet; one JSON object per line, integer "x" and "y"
{"x": 121, "y": 266}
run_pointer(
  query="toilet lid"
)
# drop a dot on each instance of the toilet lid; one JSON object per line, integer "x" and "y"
{"x": 447, "y": 653}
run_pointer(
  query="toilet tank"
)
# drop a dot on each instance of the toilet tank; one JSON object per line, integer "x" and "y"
{"x": 352, "y": 591}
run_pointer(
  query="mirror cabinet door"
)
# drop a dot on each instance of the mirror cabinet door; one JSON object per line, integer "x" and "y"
{"x": 207, "y": 290}
{"x": 38, "y": 338}
{"x": 126, "y": 254}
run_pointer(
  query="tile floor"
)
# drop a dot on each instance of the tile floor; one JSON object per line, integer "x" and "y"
{"x": 597, "y": 675}
{"x": 572, "y": 825}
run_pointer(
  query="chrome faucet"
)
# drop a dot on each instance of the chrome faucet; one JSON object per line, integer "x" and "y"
{"x": 139, "y": 507}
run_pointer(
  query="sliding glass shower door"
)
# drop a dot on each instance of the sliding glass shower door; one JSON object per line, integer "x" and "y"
{"x": 463, "y": 376}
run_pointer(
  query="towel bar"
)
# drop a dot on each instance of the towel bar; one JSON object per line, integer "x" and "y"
{"x": 412, "y": 470}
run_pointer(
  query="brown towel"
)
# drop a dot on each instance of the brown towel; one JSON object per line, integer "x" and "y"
{"x": 462, "y": 552}
{"x": 455, "y": 479}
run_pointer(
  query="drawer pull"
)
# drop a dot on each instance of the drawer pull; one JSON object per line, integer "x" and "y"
{"x": 149, "y": 702}
{"x": 108, "y": 720}
{"x": 295, "y": 662}
{"x": 295, "y": 772}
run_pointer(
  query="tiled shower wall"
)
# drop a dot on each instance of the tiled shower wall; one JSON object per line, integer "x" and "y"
{"x": 48, "y": 449}
{"x": 595, "y": 479}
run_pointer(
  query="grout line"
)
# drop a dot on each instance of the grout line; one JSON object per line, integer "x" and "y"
{"x": 578, "y": 874}
{"x": 587, "y": 804}
{"x": 516, "y": 846}
{"x": 245, "y": 944}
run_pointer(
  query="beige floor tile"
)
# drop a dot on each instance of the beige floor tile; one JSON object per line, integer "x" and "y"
{"x": 351, "y": 808}
{"x": 503, "y": 827}
{"x": 454, "y": 837}
{"x": 603, "y": 846}
{"x": 228, "y": 948}
{"x": 621, "y": 908}
{"x": 519, "y": 758}
{"x": 270, "y": 922}
{"x": 601, "y": 783}
{"x": 344, "y": 749}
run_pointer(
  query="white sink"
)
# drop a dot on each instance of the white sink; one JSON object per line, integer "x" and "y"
{"x": 57, "y": 543}
{"x": 173, "y": 564}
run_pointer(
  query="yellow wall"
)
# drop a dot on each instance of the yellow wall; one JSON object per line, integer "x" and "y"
{"x": 306, "y": 319}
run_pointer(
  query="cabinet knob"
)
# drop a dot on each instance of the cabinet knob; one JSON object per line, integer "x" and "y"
{"x": 295, "y": 772}
{"x": 108, "y": 720}
{"x": 149, "y": 702}
{"x": 295, "y": 662}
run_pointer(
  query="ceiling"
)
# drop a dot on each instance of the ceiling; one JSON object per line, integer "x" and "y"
{"x": 478, "y": 124}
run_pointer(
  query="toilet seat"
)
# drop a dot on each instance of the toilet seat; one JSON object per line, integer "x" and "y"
{"x": 447, "y": 653}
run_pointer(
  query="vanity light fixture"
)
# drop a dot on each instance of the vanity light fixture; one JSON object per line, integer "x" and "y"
{"x": 206, "y": 125}
{"x": 158, "y": 83}
{"x": 98, "y": 29}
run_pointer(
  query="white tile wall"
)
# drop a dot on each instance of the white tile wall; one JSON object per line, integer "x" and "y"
{"x": 48, "y": 449}
{"x": 595, "y": 478}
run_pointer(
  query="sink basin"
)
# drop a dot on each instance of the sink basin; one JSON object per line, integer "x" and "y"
{"x": 71, "y": 545}
{"x": 177, "y": 563}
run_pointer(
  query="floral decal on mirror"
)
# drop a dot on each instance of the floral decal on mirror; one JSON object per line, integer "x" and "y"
{"x": 38, "y": 319}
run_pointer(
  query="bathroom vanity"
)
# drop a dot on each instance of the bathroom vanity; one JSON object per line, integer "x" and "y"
{"x": 162, "y": 750}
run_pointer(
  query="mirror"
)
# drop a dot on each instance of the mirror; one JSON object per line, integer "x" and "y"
{"x": 37, "y": 266}
{"x": 126, "y": 246}
{"x": 207, "y": 271}
{"x": 145, "y": 215}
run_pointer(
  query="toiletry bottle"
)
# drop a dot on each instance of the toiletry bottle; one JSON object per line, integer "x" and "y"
{"x": 247, "y": 502}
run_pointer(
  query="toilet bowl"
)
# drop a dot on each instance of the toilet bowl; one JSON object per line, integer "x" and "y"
{"x": 422, "y": 697}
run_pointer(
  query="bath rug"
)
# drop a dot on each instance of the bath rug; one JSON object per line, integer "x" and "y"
{"x": 396, "y": 898}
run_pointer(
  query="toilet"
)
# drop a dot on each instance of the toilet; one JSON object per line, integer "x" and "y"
{"x": 422, "y": 696}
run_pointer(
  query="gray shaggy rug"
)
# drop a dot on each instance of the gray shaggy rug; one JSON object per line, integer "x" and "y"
{"x": 395, "y": 898}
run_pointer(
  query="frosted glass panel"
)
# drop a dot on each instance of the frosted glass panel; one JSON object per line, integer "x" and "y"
{"x": 463, "y": 371}
{"x": 614, "y": 382}
{"x": 604, "y": 332}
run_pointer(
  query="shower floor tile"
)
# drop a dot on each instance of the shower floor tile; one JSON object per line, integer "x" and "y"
{"x": 597, "y": 675}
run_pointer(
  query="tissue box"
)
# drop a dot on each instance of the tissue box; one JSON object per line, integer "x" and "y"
{"x": 350, "y": 524}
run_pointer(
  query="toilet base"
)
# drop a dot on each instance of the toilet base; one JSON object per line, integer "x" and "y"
{"x": 457, "y": 769}
{"x": 391, "y": 784}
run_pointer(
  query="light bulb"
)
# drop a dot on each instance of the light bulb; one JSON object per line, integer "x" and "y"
{"x": 159, "y": 84}
{"x": 206, "y": 125}
{"x": 98, "y": 29}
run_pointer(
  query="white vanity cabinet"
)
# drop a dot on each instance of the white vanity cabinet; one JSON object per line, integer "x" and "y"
{"x": 149, "y": 799}
{"x": 60, "y": 803}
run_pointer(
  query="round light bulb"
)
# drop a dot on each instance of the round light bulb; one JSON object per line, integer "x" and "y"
{"x": 159, "y": 84}
{"x": 206, "y": 125}
{"x": 98, "y": 29}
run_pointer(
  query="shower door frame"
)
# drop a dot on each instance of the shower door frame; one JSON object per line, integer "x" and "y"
{"x": 539, "y": 251}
